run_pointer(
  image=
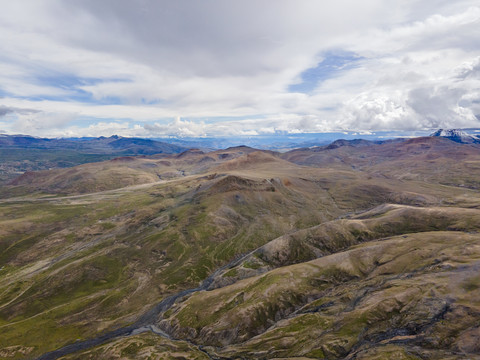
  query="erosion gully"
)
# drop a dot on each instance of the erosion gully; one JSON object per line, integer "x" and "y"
{"x": 145, "y": 323}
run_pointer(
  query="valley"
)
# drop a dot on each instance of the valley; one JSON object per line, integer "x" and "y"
{"x": 20, "y": 153}
{"x": 354, "y": 250}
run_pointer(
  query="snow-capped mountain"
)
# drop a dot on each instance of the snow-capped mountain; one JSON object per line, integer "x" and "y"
{"x": 457, "y": 135}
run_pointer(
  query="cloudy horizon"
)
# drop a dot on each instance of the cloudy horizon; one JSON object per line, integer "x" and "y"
{"x": 215, "y": 68}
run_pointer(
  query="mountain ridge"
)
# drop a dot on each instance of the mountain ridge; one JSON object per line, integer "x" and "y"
{"x": 415, "y": 158}
{"x": 102, "y": 144}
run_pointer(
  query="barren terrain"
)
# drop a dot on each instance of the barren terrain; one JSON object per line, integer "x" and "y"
{"x": 361, "y": 252}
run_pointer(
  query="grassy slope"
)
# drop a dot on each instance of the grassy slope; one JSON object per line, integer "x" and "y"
{"x": 144, "y": 346}
{"x": 73, "y": 267}
{"x": 117, "y": 173}
{"x": 16, "y": 161}
{"x": 397, "y": 291}
{"x": 337, "y": 235}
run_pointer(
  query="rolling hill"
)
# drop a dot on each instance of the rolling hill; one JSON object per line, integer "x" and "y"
{"x": 20, "y": 153}
{"x": 359, "y": 250}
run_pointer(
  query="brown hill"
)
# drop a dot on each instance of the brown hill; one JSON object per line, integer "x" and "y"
{"x": 333, "y": 236}
{"x": 253, "y": 160}
{"x": 342, "y": 260}
{"x": 431, "y": 159}
{"x": 403, "y": 295}
{"x": 119, "y": 172}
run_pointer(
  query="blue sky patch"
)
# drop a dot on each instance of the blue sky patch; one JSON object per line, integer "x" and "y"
{"x": 332, "y": 64}
{"x": 71, "y": 84}
{"x": 66, "y": 82}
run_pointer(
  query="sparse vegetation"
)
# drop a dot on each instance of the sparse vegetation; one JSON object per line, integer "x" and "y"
{"x": 332, "y": 262}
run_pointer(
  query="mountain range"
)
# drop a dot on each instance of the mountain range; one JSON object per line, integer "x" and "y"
{"x": 101, "y": 145}
{"x": 20, "y": 153}
{"x": 352, "y": 250}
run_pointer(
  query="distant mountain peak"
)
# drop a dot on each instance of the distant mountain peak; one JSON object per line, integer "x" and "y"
{"x": 449, "y": 132}
{"x": 456, "y": 135}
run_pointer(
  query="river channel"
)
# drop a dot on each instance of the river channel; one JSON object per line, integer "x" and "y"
{"x": 146, "y": 322}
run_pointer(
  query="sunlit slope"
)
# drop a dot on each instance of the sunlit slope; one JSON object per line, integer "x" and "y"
{"x": 415, "y": 294}
{"x": 75, "y": 265}
{"x": 337, "y": 235}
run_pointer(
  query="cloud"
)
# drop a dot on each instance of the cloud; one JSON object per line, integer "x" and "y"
{"x": 250, "y": 67}
{"x": 41, "y": 122}
{"x": 440, "y": 107}
{"x": 418, "y": 76}
{"x": 179, "y": 127}
{"x": 6, "y": 110}
{"x": 469, "y": 70}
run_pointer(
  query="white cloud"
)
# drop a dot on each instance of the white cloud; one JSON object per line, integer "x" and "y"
{"x": 178, "y": 127}
{"x": 40, "y": 122}
{"x": 144, "y": 64}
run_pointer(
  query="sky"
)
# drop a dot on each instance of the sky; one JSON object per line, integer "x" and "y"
{"x": 157, "y": 68}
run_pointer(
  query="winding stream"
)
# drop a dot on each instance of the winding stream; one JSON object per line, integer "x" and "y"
{"x": 145, "y": 323}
